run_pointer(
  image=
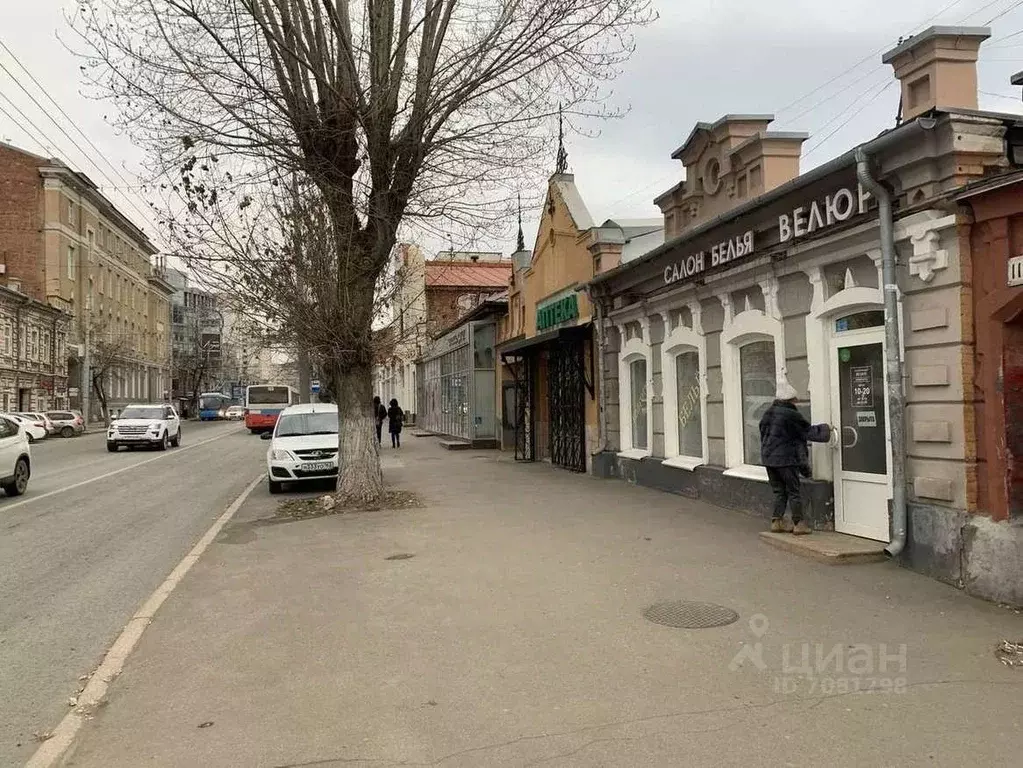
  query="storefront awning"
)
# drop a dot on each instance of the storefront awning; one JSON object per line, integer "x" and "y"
{"x": 515, "y": 346}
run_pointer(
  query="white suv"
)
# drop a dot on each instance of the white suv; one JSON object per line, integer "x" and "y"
{"x": 15, "y": 457}
{"x": 153, "y": 426}
{"x": 304, "y": 445}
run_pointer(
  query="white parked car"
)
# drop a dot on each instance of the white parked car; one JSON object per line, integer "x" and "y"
{"x": 15, "y": 457}
{"x": 33, "y": 430}
{"x": 151, "y": 426}
{"x": 303, "y": 445}
{"x": 39, "y": 418}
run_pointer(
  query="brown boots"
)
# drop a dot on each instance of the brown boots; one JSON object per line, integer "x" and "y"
{"x": 784, "y": 525}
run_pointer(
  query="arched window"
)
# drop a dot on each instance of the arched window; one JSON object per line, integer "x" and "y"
{"x": 752, "y": 361}
{"x": 635, "y": 390}
{"x": 684, "y": 365}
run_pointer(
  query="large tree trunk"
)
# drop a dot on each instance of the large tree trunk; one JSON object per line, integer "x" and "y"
{"x": 359, "y": 476}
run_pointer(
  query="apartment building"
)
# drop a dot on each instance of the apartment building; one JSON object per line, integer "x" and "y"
{"x": 63, "y": 243}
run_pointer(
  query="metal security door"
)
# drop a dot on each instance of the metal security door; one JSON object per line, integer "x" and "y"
{"x": 524, "y": 427}
{"x": 567, "y": 405}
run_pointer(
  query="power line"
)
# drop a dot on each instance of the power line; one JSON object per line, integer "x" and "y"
{"x": 62, "y": 112}
{"x": 867, "y": 58}
{"x": 870, "y": 101}
{"x": 999, "y": 15}
{"x": 145, "y": 216}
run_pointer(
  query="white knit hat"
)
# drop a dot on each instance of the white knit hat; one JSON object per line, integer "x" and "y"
{"x": 786, "y": 391}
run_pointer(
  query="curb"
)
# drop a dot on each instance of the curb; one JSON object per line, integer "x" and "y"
{"x": 54, "y": 750}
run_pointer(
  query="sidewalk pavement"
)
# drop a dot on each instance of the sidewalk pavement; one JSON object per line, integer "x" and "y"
{"x": 515, "y": 636}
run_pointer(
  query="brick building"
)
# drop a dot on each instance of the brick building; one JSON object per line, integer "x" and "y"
{"x": 428, "y": 297}
{"x": 63, "y": 243}
{"x": 991, "y": 241}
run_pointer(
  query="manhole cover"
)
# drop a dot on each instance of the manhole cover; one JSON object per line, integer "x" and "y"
{"x": 401, "y": 556}
{"x": 687, "y": 615}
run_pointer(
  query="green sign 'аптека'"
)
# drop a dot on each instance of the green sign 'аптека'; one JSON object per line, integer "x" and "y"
{"x": 556, "y": 312}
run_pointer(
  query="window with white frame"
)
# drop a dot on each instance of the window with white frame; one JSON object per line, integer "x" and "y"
{"x": 635, "y": 423}
{"x": 689, "y": 400}
{"x": 637, "y": 403}
{"x": 21, "y": 341}
{"x": 33, "y": 345}
{"x": 752, "y": 361}
{"x": 683, "y": 364}
{"x": 758, "y": 384}
{"x": 71, "y": 264}
{"x": 5, "y": 340}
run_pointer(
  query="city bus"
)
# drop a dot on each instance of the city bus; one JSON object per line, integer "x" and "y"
{"x": 213, "y": 406}
{"x": 264, "y": 403}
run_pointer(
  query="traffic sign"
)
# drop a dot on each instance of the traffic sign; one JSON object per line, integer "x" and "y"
{"x": 314, "y": 386}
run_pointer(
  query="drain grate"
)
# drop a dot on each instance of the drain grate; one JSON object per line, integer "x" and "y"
{"x": 401, "y": 556}
{"x": 683, "y": 614}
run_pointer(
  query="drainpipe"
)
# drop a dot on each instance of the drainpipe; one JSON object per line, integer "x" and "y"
{"x": 602, "y": 395}
{"x": 893, "y": 359}
{"x": 598, "y": 303}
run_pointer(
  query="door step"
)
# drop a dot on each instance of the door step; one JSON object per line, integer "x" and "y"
{"x": 421, "y": 433}
{"x": 455, "y": 445}
{"x": 829, "y": 547}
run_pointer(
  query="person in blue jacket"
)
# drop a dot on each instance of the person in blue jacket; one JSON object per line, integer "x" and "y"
{"x": 784, "y": 433}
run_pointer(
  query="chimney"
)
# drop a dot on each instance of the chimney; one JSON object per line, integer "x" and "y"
{"x": 938, "y": 69}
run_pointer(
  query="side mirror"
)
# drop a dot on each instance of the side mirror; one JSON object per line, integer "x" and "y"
{"x": 266, "y": 436}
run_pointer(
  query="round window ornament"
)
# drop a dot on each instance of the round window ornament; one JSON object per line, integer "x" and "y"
{"x": 712, "y": 176}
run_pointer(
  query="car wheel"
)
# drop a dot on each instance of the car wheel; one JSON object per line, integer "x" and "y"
{"x": 30, "y": 438}
{"x": 177, "y": 439}
{"x": 67, "y": 432}
{"x": 112, "y": 447}
{"x": 164, "y": 442}
{"x": 275, "y": 487}
{"x": 20, "y": 483}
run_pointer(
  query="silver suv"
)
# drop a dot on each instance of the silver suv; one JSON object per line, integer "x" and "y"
{"x": 67, "y": 423}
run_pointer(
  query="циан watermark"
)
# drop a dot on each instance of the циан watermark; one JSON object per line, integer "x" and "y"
{"x": 818, "y": 669}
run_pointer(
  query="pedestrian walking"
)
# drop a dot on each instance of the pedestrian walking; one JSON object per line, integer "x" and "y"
{"x": 784, "y": 433}
{"x": 379, "y": 413}
{"x": 395, "y": 418}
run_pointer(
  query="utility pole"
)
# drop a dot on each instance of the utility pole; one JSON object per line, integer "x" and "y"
{"x": 86, "y": 383}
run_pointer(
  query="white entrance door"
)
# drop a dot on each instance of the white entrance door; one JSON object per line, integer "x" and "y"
{"x": 862, "y": 454}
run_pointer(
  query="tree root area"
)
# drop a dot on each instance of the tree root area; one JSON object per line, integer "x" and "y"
{"x": 324, "y": 506}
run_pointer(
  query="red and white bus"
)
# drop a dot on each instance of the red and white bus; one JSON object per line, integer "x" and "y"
{"x": 264, "y": 403}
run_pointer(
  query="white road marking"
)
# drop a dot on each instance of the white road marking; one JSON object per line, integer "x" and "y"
{"x": 167, "y": 455}
{"x": 51, "y": 751}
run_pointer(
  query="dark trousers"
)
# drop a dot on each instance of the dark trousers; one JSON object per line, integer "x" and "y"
{"x": 380, "y": 430}
{"x": 787, "y": 492}
{"x": 396, "y": 439}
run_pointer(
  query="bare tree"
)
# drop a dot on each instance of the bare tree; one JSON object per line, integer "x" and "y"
{"x": 388, "y": 112}
{"x": 110, "y": 349}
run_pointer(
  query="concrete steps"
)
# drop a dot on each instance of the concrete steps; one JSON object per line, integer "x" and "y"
{"x": 828, "y": 547}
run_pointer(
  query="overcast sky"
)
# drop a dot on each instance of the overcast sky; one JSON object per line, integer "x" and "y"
{"x": 701, "y": 60}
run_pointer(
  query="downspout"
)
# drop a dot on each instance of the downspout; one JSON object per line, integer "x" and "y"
{"x": 893, "y": 358}
{"x": 598, "y": 352}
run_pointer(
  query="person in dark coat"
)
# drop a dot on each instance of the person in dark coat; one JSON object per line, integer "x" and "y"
{"x": 395, "y": 418}
{"x": 784, "y": 434}
{"x": 380, "y": 414}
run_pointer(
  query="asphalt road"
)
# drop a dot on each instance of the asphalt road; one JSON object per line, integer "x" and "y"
{"x": 95, "y": 535}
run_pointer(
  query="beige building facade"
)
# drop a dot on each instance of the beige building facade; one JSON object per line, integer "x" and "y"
{"x": 787, "y": 286}
{"x": 64, "y": 243}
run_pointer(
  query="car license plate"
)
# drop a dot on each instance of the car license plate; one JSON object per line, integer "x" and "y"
{"x": 318, "y": 466}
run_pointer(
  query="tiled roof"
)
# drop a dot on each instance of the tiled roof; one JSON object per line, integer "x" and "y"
{"x": 443, "y": 274}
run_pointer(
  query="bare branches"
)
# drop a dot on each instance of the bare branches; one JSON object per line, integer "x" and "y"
{"x": 292, "y": 139}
